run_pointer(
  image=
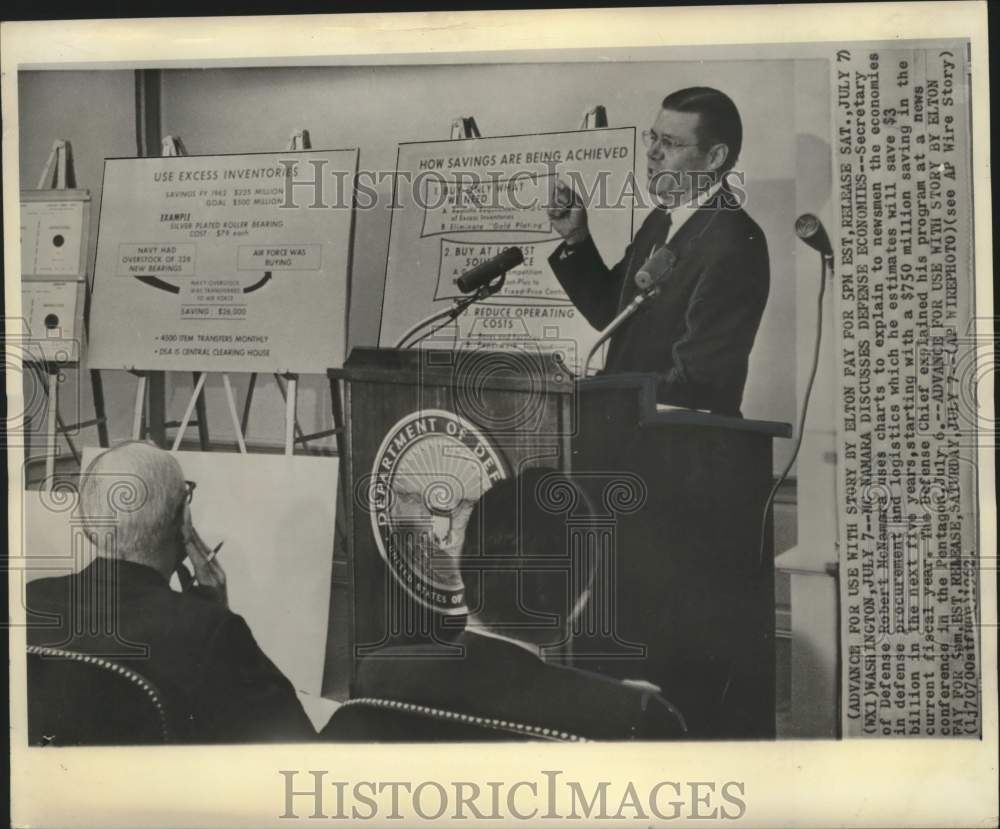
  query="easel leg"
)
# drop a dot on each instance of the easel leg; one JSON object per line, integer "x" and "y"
{"x": 182, "y": 426}
{"x": 50, "y": 432}
{"x": 245, "y": 422}
{"x": 69, "y": 442}
{"x": 202, "y": 415}
{"x": 232, "y": 411}
{"x": 97, "y": 385}
{"x": 337, "y": 410}
{"x": 49, "y": 379}
{"x": 140, "y": 402}
{"x": 36, "y": 377}
{"x": 290, "y": 423}
{"x": 156, "y": 422}
{"x": 284, "y": 396}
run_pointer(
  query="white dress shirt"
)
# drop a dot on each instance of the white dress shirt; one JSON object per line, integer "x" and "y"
{"x": 679, "y": 215}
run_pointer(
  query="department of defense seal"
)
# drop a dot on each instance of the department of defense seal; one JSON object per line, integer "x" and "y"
{"x": 428, "y": 473}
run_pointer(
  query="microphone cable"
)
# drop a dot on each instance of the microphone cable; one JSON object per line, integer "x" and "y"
{"x": 802, "y": 416}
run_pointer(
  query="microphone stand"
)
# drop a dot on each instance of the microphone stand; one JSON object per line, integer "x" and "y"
{"x": 616, "y": 323}
{"x": 450, "y": 314}
{"x": 825, "y": 270}
{"x": 827, "y": 265}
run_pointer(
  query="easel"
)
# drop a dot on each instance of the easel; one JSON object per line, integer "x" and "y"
{"x": 59, "y": 174}
{"x": 155, "y": 382}
{"x": 464, "y": 127}
{"x": 297, "y": 142}
{"x": 594, "y": 118}
{"x": 287, "y": 382}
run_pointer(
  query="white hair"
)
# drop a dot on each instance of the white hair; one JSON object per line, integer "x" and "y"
{"x": 130, "y": 500}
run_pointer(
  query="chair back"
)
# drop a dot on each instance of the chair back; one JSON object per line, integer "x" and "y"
{"x": 75, "y": 699}
{"x": 374, "y": 719}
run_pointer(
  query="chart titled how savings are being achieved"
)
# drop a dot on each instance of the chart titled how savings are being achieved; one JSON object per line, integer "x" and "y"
{"x": 461, "y": 203}
{"x": 216, "y": 263}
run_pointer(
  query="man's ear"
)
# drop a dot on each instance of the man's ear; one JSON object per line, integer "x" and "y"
{"x": 183, "y": 530}
{"x": 716, "y": 156}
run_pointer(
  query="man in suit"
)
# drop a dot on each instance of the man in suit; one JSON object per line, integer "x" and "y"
{"x": 696, "y": 335}
{"x": 217, "y": 685}
{"x": 524, "y": 588}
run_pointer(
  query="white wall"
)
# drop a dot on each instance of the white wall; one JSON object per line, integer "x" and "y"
{"x": 374, "y": 108}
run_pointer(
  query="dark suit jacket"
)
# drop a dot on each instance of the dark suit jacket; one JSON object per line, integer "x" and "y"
{"x": 697, "y": 334}
{"x": 217, "y": 684}
{"x": 498, "y": 679}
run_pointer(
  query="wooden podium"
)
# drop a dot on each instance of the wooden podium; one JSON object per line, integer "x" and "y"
{"x": 684, "y": 599}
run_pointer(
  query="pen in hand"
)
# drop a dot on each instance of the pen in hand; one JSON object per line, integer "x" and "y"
{"x": 214, "y": 552}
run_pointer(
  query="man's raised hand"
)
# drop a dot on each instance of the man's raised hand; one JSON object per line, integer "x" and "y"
{"x": 567, "y": 213}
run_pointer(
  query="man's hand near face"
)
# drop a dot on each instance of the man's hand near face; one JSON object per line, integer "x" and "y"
{"x": 209, "y": 577}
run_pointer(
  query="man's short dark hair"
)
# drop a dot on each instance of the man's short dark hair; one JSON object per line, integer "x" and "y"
{"x": 525, "y": 556}
{"x": 720, "y": 119}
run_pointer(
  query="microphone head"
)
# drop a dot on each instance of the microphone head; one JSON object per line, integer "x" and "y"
{"x": 810, "y": 230}
{"x": 657, "y": 269}
{"x": 485, "y": 272}
{"x": 510, "y": 258}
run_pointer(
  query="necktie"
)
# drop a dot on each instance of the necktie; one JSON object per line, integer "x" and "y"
{"x": 662, "y": 230}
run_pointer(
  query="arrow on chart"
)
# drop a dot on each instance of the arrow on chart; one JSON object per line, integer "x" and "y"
{"x": 260, "y": 283}
{"x": 156, "y": 282}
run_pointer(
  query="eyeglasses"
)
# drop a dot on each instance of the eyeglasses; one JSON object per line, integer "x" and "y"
{"x": 189, "y": 494}
{"x": 664, "y": 142}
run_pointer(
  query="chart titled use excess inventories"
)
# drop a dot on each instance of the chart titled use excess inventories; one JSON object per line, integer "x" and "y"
{"x": 204, "y": 263}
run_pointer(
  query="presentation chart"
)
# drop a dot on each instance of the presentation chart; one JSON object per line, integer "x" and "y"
{"x": 460, "y": 203}
{"x": 50, "y": 314}
{"x": 54, "y": 233}
{"x": 224, "y": 263}
{"x": 55, "y": 228}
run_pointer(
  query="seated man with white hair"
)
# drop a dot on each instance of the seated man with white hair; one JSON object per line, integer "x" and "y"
{"x": 216, "y": 684}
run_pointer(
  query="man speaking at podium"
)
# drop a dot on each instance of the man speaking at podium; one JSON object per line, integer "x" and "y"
{"x": 696, "y": 334}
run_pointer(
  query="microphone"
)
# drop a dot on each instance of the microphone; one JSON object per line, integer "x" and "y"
{"x": 485, "y": 272}
{"x": 810, "y": 230}
{"x": 648, "y": 279}
{"x": 656, "y": 270}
